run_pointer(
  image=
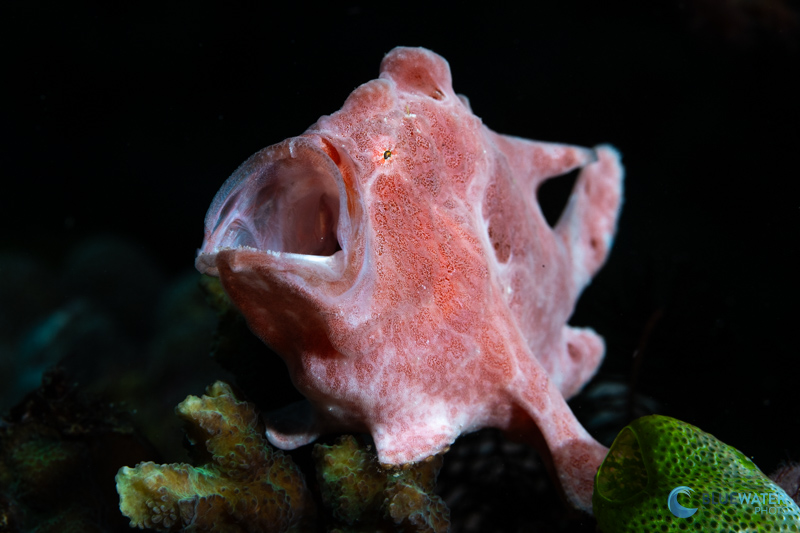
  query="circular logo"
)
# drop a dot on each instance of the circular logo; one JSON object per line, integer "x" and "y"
{"x": 677, "y": 509}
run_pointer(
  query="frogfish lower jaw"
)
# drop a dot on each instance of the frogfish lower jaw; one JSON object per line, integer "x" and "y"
{"x": 288, "y": 201}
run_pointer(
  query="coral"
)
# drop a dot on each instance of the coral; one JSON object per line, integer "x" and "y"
{"x": 364, "y": 496}
{"x": 243, "y": 486}
{"x": 665, "y": 475}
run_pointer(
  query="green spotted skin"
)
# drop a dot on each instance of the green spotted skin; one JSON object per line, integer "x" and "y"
{"x": 654, "y": 455}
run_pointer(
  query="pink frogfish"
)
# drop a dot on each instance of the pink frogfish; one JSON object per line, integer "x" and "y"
{"x": 395, "y": 256}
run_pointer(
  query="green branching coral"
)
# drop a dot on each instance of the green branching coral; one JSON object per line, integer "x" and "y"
{"x": 362, "y": 496}
{"x": 244, "y": 485}
{"x": 659, "y": 467}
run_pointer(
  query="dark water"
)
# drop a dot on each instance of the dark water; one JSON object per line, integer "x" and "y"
{"x": 118, "y": 127}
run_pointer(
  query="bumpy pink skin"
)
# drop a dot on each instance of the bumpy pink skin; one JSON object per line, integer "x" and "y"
{"x": 445, "y": 309}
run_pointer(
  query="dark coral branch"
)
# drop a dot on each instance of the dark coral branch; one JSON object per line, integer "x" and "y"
{"x": 361, "y": 494}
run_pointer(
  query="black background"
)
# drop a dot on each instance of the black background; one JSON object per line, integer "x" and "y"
{"x": 125, "y": 121}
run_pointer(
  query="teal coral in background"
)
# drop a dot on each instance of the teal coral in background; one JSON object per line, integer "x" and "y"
{"x": 655, "y": 455}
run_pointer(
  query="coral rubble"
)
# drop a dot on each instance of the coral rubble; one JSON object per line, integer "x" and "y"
{"x": 787, "y": 476}
{"x": 243, "y": 486}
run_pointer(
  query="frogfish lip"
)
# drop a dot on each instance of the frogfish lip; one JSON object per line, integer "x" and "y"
{"x": 289, "y": 202}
